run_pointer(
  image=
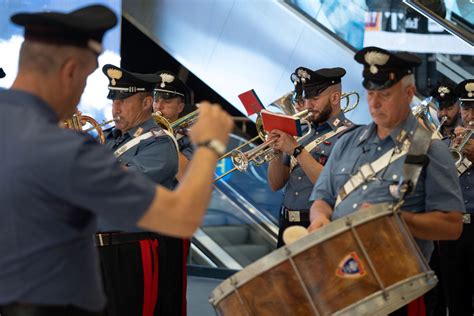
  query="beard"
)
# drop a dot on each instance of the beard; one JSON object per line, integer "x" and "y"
{"x": 324, "y": 115}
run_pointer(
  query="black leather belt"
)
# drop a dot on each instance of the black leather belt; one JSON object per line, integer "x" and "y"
{"x": 467, "y": 218}
{"x": 116, "y": 238}
{"x": 295, "y": 216}
{"x": 16, "y": 309}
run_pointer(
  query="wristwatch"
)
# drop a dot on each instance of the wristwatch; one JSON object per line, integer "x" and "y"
{"x": 216, "y": 145}
{"x": 297, "y": 151}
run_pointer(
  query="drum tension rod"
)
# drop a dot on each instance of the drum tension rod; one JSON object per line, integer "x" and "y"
{"x": 303, "y": 285}
{"x": 367, "y": 258}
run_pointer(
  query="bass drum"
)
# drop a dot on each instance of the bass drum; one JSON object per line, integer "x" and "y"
{"x": 366, "y": 263}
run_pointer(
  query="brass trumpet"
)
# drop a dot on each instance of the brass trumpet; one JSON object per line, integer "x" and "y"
{"x": 175, "y": 126}
{"x": 77, "y": 120}
{"x": 456, "y": 150}
{"x": 286, "y": 105}
{"x": 262, "y": 153}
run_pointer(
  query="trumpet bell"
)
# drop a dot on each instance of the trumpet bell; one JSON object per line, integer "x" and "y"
{"x": 160, "y": 120}
{"x": 77, "y": 121}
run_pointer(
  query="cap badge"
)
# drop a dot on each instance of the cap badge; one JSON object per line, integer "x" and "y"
{"x": 114, "y": 74}
{"x": 166, "y": 78}
{"x": 470, "y": 89}
{"x": 375, "y": 59}
{"x": 303, "y": 74}
{"x": 443, "y": 91}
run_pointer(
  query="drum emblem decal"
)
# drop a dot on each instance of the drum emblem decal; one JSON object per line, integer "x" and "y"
{"x": 350, "y": 267}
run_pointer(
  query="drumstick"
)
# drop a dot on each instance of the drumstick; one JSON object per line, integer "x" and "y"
{"x": 293, "y": 233}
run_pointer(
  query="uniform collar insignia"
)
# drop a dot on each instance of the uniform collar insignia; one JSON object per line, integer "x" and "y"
{"x": 114, "y": 75}
{"x": 138, "y": 132}
{"x": 375, "y": 59}
{"x": 166, "y": 78}
{"x": 443, "y": 91}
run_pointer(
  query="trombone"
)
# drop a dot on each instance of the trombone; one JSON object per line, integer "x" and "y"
{"x": 262, "y": 153}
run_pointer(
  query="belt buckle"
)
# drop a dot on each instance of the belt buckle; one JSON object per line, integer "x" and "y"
{"x": 101, "y": 240}
{"x": 294, "y": 216}
{"x": 466, "y": 218}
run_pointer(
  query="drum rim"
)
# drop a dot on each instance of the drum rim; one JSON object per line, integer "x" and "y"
{"x": 403, "y": 292}
{"x": 280, "y": 255}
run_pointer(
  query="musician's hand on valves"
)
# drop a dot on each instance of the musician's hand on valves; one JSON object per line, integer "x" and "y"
{"x": 459, "y": 133}
{"x": 318, "y": 220}
{"x": 213, "y": 124}
{"x": 468, "y": 150}
{"x": 284, "y": 142}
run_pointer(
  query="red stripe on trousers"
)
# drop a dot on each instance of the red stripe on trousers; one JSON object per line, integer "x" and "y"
{"x": 149, "y": 250}
{"x": 154, "y": 247}
{"x": 147, "y": 273}
{"x": 185, "y": 273}
{"x": 417, "y": 307}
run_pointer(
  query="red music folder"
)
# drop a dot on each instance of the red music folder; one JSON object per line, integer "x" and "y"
{"x": 284, "y": 123}
{"x": 251, "y": 102}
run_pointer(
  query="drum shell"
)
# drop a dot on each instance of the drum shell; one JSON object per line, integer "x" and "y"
{"x": 304, "y": 278}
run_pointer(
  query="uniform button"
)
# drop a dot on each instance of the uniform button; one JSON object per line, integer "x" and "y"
{"x": 343, "y": 169}
{"x": 467, "y": 188}
{"x": 354, "y": 205}
{"x": 297, "y": 193}
{"x": 394, "y": 177}
{"x": 379, "y": 148}
{"x": 120, "y": 160}
{"x": 299, "y": 178}
{"x": 317, "y": 133}
{"x": 322, "y": 152}
{"x": 364, "y": 187}
{"x": 468, "y": 173}
{"x": 466, "y": 201}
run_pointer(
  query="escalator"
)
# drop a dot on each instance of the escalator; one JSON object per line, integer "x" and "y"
{"x": 238, "y": 45}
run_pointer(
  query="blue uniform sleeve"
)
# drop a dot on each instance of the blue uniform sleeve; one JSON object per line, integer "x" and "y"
{"x": 96, "y": 182}
{"x": 443, "y": 191}
{"x": 156, "y": 158}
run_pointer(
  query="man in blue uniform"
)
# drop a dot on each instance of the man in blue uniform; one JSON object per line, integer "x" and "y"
{"x": 56, "y": 182}
{"x": 141, "y": 146}
{"x": 448, "y": 114}
{"x": 448, "y": 108}
{"x": 457, "y": 257}
{"x": 299, "y": 165}
{"x": 434, "y": 210}
{"x": 172, "y": 98}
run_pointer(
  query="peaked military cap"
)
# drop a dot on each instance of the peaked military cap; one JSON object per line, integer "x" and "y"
{"x": 123, "y": 83}
{"x": 83, "y": 27}
{"x": 383, "y": 69}
{"x": 444, "y": 95}
{"x": 465, "y": 92}
{"x": 315, "y": 82}
{"x": 170, "y": 86}
{"x": 2, "y": 73}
